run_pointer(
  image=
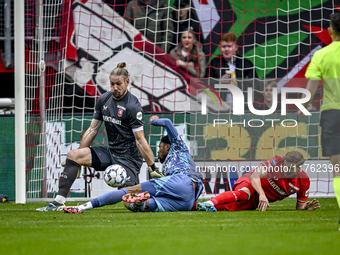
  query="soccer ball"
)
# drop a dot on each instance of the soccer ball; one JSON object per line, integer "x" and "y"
{"x": 115, "y": 176}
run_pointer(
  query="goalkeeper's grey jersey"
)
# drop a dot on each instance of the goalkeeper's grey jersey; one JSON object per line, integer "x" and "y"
{"x": 122, "y": 117}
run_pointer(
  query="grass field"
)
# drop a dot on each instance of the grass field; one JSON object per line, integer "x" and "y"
{"x": 115, "y": 230}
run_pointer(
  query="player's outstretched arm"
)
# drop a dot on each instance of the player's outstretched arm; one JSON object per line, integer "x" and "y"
{"x": 88, "y": 137}
{"x": 170, "y": 128}
{"x": 255, "y": 179}
{"x": 144, "y": 147}
{"x": 309, "y": 205}
{"x": 90, "y": 133}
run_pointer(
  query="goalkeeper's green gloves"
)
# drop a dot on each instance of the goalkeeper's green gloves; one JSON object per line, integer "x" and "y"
{"x": 155, "y": 172}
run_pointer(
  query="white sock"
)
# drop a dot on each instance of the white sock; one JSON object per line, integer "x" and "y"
{"x": 86, "y": 206}
{"x": 209, "y": 202}
{"x": 60, "y": 199}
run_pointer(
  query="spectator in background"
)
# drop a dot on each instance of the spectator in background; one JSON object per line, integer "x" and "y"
{"x": 265, "y": 102}
{"x": 117, "y": 5}
{"x": 231, "y": 67}
{"x": 189, "y": 55}
{"x": 184, "y": 19}
{"x": 151, "y": 18}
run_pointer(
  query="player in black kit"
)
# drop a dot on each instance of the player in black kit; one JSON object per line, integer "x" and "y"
{"x": 122, "y": 114}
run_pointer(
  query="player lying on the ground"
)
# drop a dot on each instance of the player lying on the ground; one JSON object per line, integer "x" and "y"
{"x": 274, "y": 180}
{"x": 176, "y": 191}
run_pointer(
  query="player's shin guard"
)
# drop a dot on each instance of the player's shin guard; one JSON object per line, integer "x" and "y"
{"x": 67, "y": 177}
{"x": 336, "y": 185}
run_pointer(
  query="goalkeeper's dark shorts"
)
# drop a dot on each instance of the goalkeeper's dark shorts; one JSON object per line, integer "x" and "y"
{"x": 102, "y": 157}
{"x": 330, "y": 132}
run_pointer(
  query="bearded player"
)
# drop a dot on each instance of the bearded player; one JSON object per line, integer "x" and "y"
{"x": 274, "y": 180}
{"x": 122, "y": 114}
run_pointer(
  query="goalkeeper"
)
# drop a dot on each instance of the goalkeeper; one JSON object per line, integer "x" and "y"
{"x": 176, "y": 188}
{"x": 122, "y": 114}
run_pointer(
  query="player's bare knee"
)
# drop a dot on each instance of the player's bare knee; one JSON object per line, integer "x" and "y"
{"x": 72, "y": 154}
{"x": 81, "y": 156}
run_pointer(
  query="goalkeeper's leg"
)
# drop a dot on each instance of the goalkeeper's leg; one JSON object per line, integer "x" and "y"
{"x": 75, "y": 158}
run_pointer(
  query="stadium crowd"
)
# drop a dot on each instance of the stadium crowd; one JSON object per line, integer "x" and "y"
{"x": 177, "y": 31}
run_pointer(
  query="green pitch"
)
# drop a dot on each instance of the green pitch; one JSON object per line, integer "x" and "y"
{"x": 115, "y": 230}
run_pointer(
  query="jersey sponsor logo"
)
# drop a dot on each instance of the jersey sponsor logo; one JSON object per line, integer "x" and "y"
{"x": 121, "y": 107}
{"x": 112, "y": 120}
{"x": 274, "y": 161}
{"x": 139, "y": 116}
{"x": 104, "y": 107}
{"x": 120, "y": 112}
{"x": 276, "y": 188}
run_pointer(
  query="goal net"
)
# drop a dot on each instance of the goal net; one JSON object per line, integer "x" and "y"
{"x": 72, "y": 46}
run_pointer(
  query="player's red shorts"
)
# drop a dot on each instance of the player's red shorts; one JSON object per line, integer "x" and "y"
{"x": 251, "y": 204}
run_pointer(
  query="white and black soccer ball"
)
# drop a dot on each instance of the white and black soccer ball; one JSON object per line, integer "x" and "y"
{"x": 115, "y": 176}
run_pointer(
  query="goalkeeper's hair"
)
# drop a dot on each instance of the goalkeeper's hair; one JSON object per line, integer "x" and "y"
{"x": 166, "y": 140}
{"x": 120, "y": 70}
{"x": 294, "y": 157}
{"x": 335, "y": 23}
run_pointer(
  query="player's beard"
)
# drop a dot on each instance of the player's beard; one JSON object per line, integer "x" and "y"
{"x": 118, "y": 95}
{"x": 161, "y": 159}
